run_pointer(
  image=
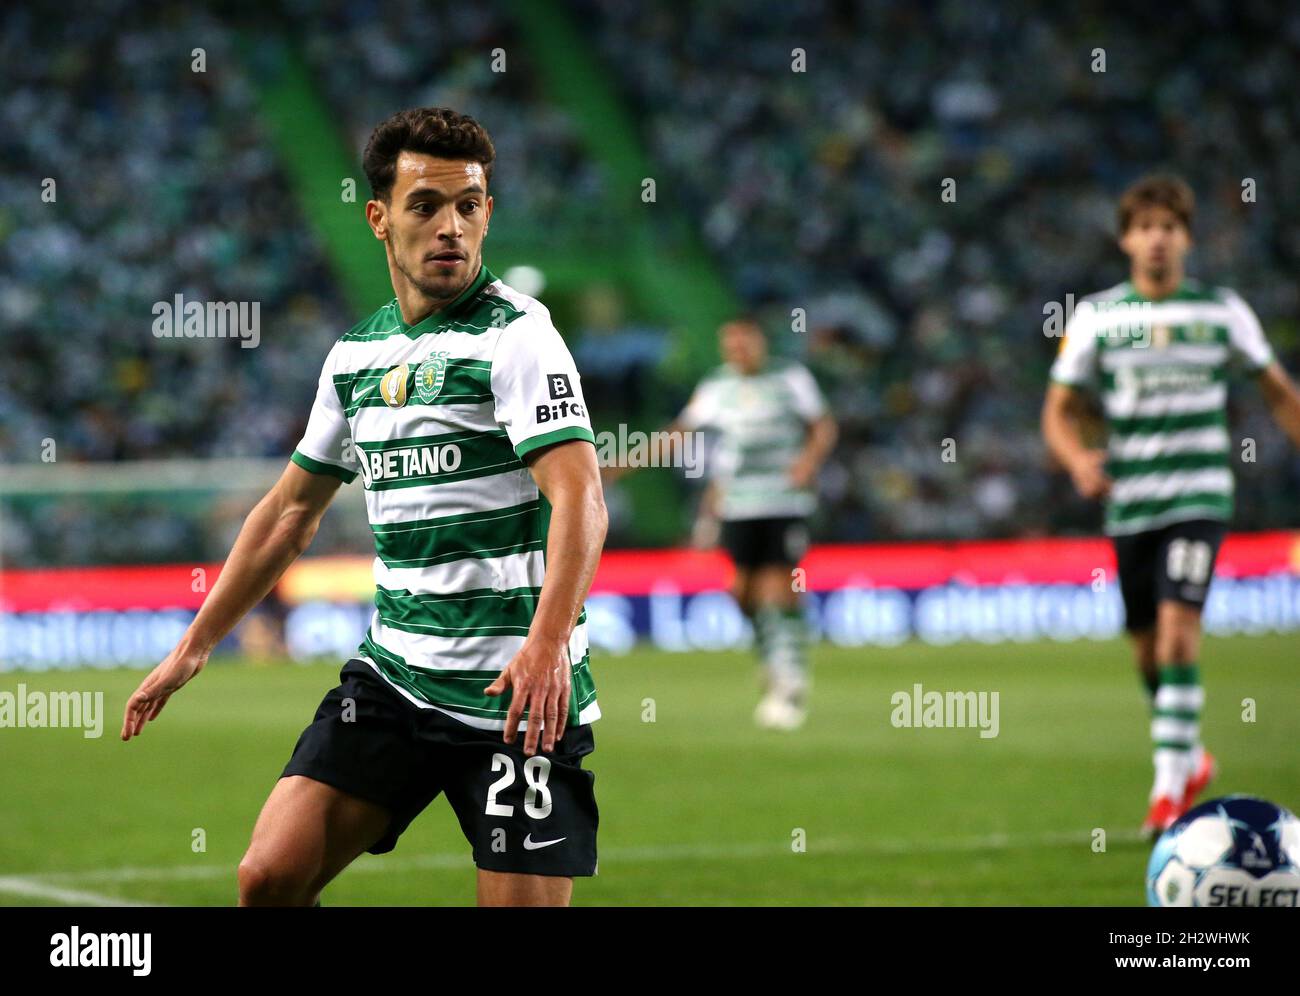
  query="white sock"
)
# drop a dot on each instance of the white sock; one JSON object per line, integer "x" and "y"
{"x": 1171, "y": 773}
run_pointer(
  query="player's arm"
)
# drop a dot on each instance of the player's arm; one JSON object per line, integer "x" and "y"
{"x": 1282, "y": 398}
{"x": 278, "y": 529}
{"x": 808, "y": 403}
{"x": 661, "y": 448}
{"x": 666, "y": 443}
{"x": 1061, "y": 432}
{"x": 706, "y": 530}
{"x": 539, "y": 674}
{"x": 1075, "y": 366}
{"x": 822, "y": 434}
{"x": 1251, "y": 351}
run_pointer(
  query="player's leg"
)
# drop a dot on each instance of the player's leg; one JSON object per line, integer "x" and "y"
{"x": 1184, "y": 567}
{"x": 1135, "y": 558}
{"x": 513, "y": 889}
{"x": 306, "y": 834}
{"x": 779, "y": 617}
{"x": 738, "y": 539}
{"x": 1144, "y": 655}
{"x": 357, "y": 778}
{"x": 743, "y": 590}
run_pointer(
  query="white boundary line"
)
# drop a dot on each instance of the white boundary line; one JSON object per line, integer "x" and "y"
{"x": 15, "y": 885}
{"x": 43, "y": 885}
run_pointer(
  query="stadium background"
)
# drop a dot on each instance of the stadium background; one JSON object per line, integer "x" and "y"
{"x": 774, "y": 190}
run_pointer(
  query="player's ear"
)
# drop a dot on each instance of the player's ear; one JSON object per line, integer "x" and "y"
{"x": 377, "y": 218}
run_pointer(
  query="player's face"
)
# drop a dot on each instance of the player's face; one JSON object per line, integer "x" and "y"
{"x": 1156, "y": 241}
{"x": 434, "y": 222}
{"x": 743, "y": 346}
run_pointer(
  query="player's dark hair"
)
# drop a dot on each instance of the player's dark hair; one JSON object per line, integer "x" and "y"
{"x": 1157, "y": 190}
{"x": 434, "y": 131}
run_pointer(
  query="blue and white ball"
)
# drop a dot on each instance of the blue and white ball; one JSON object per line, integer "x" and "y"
{"x": 1234, "y": 851}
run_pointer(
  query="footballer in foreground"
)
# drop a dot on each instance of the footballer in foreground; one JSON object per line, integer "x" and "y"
{"x": 459, "y": 406}
{"x": 1161, "y": 347}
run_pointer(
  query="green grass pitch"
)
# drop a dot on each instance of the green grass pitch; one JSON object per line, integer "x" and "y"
{"x": 697, "y": 807}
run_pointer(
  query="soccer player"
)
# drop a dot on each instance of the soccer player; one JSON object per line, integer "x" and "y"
{"x": 457, "y": 403}
{"x": 774, "y": 433}
{"x": 1161, "y": 346}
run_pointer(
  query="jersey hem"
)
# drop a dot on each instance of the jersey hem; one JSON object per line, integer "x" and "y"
{"x": 532, "y": 443}
{"x": 588, "y": 714}
{"x": 1188, "y": 514}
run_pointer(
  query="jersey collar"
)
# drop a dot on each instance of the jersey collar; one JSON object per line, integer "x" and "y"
{"x": 442, "y": 317}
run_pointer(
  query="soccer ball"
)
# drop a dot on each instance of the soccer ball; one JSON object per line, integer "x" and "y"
{"x": 1234, "y": 851}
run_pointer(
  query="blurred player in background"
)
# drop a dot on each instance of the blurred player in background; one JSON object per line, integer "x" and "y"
{"x": 774, "y": 432}
{"x": 1160, "y": 347}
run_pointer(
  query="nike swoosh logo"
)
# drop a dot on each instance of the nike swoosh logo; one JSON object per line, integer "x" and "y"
{"x": 533, "y": 845}
{"x": 355, "y": 395}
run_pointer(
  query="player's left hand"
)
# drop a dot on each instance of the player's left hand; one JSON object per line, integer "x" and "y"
{"x": 539, "y": 676}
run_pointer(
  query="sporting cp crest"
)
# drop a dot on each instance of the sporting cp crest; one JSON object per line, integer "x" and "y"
{"x": 430, "y": 375}
{"x": 392, "y": 386}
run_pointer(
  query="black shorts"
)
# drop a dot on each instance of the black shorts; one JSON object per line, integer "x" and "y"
{"x": 764, "y": 542}
{"x": 533, "y": 815}
{"x": 1175, "y": 562}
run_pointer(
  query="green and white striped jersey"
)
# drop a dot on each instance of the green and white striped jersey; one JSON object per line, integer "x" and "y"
{"x": 1163, "y": 369}
{"x": 762, "y": 420}
{"x": 436, "y": 417}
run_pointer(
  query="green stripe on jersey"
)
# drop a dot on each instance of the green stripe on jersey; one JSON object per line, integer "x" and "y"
{"x": 494, "y": 532}
{"x": 466, "y": 382}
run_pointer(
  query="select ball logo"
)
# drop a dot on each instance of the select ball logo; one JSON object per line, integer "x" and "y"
{"x": 562, "y": 393}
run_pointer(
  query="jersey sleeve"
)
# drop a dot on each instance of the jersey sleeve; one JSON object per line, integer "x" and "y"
{"x": 807, "y": 396}
{"x": 536, "y": 387}
{"x": 1246, "y": 338}
{"x": 1076, "y": 362}
{"x": 326, "y": 446}
{"x": 702, "y": 409}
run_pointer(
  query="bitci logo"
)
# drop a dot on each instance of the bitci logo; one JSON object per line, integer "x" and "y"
{"x": 559, "y": 385}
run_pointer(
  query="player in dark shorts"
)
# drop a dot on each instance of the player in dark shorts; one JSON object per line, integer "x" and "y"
{"x": 774, "y": 432}
{"x": 459, "y": 406}
{"x": 1160, "y": 347}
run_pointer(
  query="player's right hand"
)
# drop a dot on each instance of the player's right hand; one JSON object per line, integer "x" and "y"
{"x": 1089, "y": 474}
{"x": 168, "y": 677}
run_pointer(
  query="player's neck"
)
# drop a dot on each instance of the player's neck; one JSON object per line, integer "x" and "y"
{"x": 1157, "y": 288}
{"x": 414, "y": 304}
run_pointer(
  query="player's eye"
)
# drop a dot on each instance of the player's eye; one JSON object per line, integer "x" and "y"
{"x": 469, "y": 207}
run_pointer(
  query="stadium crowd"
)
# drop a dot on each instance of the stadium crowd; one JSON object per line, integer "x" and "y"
{"x": 821, "y": 186}
{"x": 822, "y": 189}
